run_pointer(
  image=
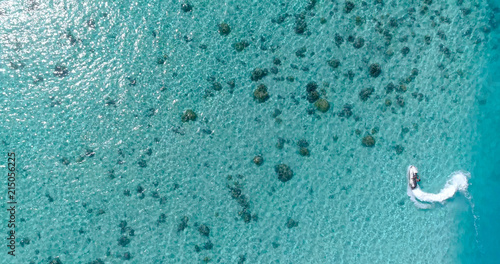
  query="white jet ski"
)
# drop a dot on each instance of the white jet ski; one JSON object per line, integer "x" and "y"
{"x": 412, "y": 175}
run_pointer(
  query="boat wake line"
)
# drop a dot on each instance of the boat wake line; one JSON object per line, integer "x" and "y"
{"x": 457, "y": 182}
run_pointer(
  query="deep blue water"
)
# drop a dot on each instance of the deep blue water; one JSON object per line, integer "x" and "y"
{"x": 484, "y": 247}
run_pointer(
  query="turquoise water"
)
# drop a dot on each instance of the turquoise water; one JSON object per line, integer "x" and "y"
{"x": 93, "y": 96}
{"x": 484, "y": 249}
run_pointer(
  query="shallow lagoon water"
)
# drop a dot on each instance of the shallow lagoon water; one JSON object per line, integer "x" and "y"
{"x": 95, "y": 93}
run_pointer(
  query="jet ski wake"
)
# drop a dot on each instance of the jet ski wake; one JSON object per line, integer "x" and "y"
{"x": 458, "y": 182}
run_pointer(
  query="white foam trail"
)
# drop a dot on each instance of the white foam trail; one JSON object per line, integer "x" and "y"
{"x": 415, "y": 201}
{"x": 458, "y": 182}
